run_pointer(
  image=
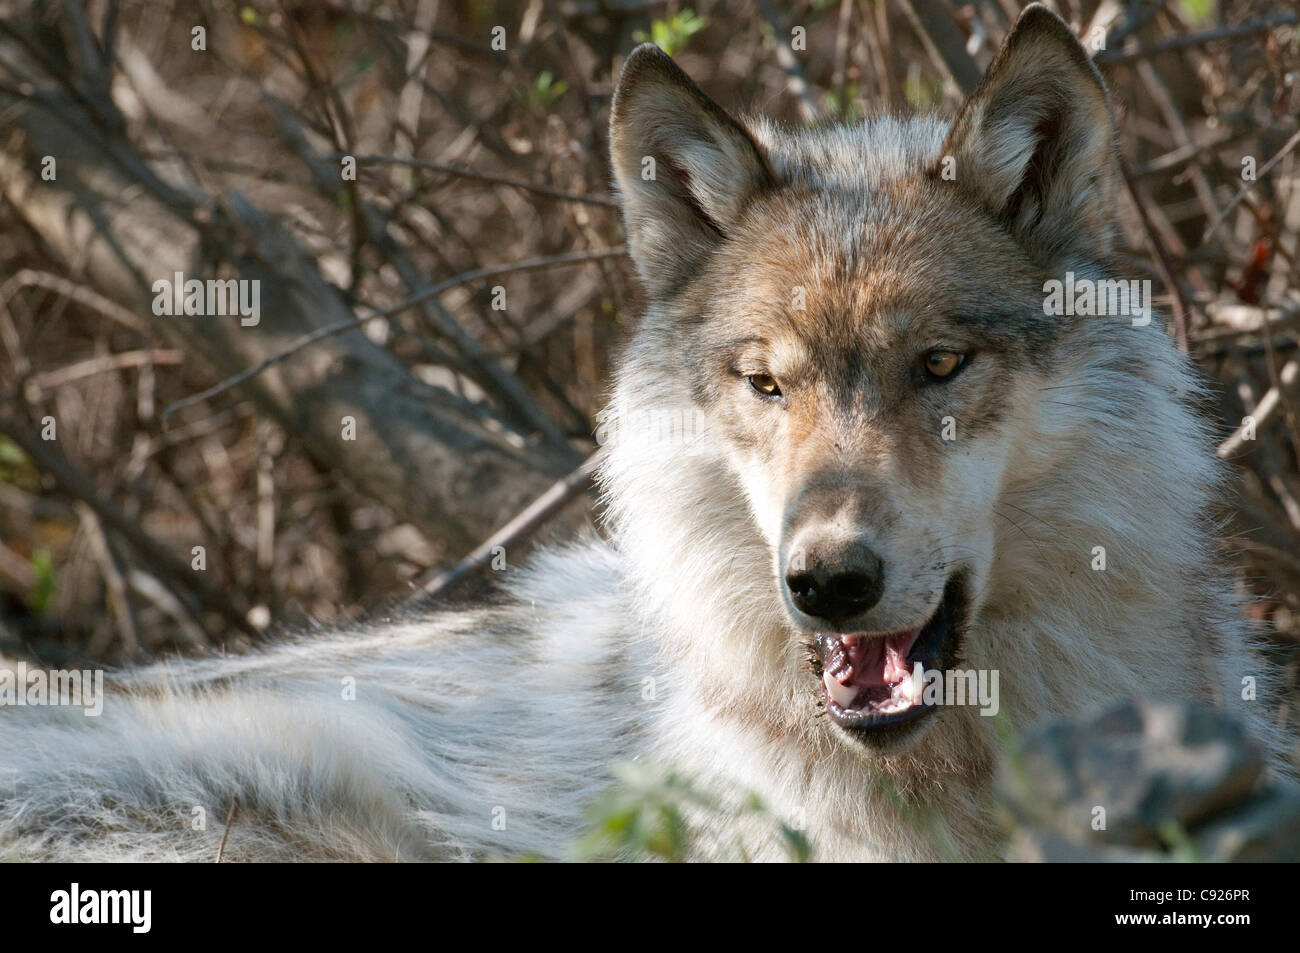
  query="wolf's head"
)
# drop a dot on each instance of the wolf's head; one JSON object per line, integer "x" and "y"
{"x": 847, "y": 326}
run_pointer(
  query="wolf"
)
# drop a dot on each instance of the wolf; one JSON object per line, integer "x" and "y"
{"x": 846, "y": 446}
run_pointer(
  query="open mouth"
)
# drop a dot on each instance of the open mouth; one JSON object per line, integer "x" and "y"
{"x": 871, "y": 681}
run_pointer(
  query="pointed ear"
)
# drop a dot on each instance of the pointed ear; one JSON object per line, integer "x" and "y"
{"x": 1035, "y": 142}
{"x": 685, "y": 169}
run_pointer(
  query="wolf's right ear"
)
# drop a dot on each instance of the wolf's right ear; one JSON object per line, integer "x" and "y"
{"x": 686, "y": 169}
{"x": 1035, "y": 141}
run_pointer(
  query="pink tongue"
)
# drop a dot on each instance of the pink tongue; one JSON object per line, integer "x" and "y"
{"x": 871, "y": 663}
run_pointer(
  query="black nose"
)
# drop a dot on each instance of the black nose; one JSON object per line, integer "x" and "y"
{"x": 838, "y": 586}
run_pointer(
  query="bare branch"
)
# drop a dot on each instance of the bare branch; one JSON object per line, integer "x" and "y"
{"x": 77, "y": 485}
{"x": 1197, "y": 39}
{"x": 808, "y": 107}
{"x": 1264, "y": 411}
{"x": 934, "y": 25}
{"x": 103, "y": 365}
{"x": 518, "y": 529}
{"x": 465, "y": 173}
{"x": 352, "y": 324}
{"x": 1163, "y": 265}
{"x": 1236, "y": 199}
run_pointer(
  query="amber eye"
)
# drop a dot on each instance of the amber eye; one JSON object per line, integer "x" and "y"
{"x": 943, "y": 364}
{"x": 765, "y": 384}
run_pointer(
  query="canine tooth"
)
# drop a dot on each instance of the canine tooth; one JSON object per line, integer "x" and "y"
{"x": 843, "y": 695}
{"x": 913, "y": 686}
{"x": 907, "y": 690}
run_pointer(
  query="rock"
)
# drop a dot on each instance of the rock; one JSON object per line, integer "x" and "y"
{"x": 1048, "y": 847}
{"x": 1265, "y": 828}
{"x": 1146, "y": 775}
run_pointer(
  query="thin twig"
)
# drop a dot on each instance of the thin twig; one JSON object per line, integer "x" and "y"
{"x": 1268, "y": 406}
{"x": 1288, "y": 410}
{"x": 341, "y": 327}
{"x": 1162, "y": 263}
{"x": 100, "y": 365}
{"x": 78, "y": 485}
{"x": 519, "y": 528}
{"x": 1177, "y": 127}
{"x": 504, "y": 386}
{"x": 230, "y": 817}
{"x": 1196, "y": 39}
{"x": 465, "y": 173}
{"x": 119, "y": 600}
{"x": 839, "y": 74}
{"x": 808, "y": 108}
{"x": 932, "y": 21}
{"x": 28, "y": 278}
{"x": 1236, "y": 199}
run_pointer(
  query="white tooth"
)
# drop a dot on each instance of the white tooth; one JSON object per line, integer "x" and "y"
{"x": 906, "y": 690}
{"x": 913, "y": 686}
{"x": 843, "y": 695}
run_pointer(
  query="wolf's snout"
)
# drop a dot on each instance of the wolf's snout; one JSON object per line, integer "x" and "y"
{"x": 835, "y": 581}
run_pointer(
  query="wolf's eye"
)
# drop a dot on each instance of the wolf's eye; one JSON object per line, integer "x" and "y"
{"x": 941, "y": 364}
{"x": 764, "y": 384}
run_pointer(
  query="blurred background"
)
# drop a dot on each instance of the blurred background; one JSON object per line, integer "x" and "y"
{"x": 443, "y": 164}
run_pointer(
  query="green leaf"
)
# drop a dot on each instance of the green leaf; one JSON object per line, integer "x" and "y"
{"x": 672, "y": 35}
{"x": 43, "y": 590}
{"x": 1196, "y": 12}
{"x": 796, "y": 844}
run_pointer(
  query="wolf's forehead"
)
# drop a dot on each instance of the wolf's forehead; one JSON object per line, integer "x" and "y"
{"x": 827, "y": 273}
{"x": 864, "y": 156}
{"x": 857, "y": 245}
{"x": 852, "y": 201}
{"x": 813, "y": 253}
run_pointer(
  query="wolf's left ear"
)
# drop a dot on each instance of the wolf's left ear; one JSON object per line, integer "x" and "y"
{"x": 686, "y": 169}
{"x": 1035, "y": 141}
